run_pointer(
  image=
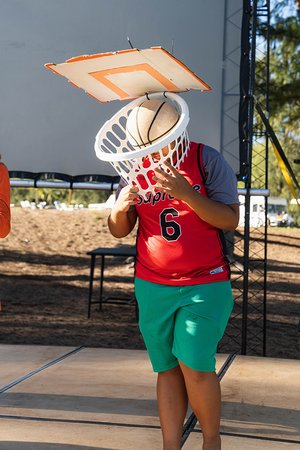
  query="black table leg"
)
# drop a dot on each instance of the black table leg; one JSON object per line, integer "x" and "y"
{"x": 92, "y": 268}
{"x": 101, "y": 281}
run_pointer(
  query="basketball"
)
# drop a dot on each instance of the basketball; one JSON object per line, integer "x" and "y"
{"x": 150, "y": 121}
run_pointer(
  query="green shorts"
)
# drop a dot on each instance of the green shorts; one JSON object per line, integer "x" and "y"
{"x": 183, "y": 323}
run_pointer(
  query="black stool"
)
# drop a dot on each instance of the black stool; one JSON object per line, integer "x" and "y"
{"x": 103, "y": 252}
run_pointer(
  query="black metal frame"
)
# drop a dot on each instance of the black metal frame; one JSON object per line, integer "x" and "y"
{"x": 102, "y": 253}
{"x": 246, "y": 331}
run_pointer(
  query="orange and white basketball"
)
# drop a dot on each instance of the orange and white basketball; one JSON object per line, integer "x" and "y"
{"x": 150, "y": 121}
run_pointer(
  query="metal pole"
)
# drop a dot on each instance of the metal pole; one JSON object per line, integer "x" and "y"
{"x": 248, "y": 181}
{"x": 266, "y": 184}
{"x": 223, "y": 76}
{"x": 62, "y": 185}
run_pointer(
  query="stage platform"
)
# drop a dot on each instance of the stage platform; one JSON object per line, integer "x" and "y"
{"x": 63, "y": 398}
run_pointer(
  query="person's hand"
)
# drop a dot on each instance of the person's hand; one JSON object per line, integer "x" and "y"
{"x": 172, "y": 182}
{"x": 127, "y": 197}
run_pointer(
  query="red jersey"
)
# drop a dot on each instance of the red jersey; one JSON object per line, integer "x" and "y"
{"x": 175, "y": 246}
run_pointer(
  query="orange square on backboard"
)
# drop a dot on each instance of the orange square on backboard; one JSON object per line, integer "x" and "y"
{"x": 128, "y": 74}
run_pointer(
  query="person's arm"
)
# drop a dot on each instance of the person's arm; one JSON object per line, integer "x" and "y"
{"x": 123, "y": 216}
{"x": 4, "y": 202}
{"x": 225, "y": 217}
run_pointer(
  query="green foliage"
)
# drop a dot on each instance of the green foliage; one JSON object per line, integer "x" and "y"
{"x": 85, "y": 196}
{"x": 19, "y": 194}
{"x": 282, "y": 8}
{"x": 294, "y": 211}
{"x": 284, "y": 101}
{"x": 70, "y": 197}
{"x": 285, "y": 70}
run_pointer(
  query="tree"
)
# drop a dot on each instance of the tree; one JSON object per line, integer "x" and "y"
{"x": 284, "y": 92}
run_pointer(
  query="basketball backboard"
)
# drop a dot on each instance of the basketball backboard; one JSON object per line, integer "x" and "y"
{"x": 128, "y": 74}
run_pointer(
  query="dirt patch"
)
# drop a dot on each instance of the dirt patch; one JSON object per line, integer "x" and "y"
{"x": 44, "y": 281}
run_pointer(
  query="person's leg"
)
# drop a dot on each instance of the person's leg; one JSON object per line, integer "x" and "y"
{"x": 172, "y": 406}
{"x": 158, "y": 305}
{"x": 205, "y": 398}
{"x": 197, "y": 331}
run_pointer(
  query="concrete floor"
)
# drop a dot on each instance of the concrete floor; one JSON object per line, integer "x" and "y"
{"x": 66, "y": 398}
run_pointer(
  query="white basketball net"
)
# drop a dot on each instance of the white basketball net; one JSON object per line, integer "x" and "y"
{"x": 137, "y": 165}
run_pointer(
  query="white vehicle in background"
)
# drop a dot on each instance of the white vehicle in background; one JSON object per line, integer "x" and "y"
{"x": 278, "y": 214}
{"x": 277, "y": 211}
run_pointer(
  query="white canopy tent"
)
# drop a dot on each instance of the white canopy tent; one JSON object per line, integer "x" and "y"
{"x": 49, "y": 127}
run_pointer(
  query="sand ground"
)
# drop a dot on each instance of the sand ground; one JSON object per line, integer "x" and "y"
{"x": 44, "y": 280}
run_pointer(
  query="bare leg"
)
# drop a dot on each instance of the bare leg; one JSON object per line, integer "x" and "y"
{"x": 205, "y": 398}
{"x": 172, "y": 406}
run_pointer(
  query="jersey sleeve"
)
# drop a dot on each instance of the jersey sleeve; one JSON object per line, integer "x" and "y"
{"x": 4, "y": 201}
{"x": 122, "y": 183}
{"x": 221, "y": 181}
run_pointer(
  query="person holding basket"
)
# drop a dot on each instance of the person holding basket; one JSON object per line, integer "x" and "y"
{"x": 182, "y": 276}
